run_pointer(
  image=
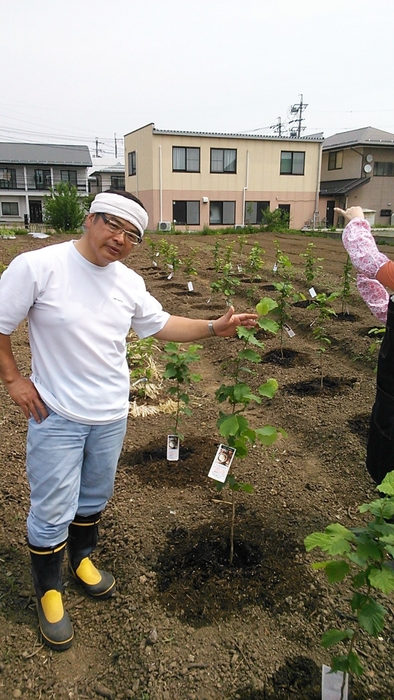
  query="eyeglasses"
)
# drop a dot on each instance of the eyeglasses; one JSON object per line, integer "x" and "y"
{"x": 115, "y": 229}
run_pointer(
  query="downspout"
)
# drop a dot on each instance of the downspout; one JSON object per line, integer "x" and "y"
{"x": 245, "y": 188}
{"x": 316, "y": 214}
{"x": 136, "y": 173}
{"x": 26, "y": 191}
{"x": 160, "y": 185}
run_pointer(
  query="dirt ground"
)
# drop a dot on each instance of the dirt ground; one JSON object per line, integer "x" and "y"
{"x": 184, "y": 624}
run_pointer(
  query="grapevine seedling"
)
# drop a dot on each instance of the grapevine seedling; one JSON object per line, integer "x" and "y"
{"x": 286, "y": 296}
{"x": 234, "y": 426}
{"x": 177, "y": 370}
{"x": 311, "y": 268}
{"x": 189, "y": 262}
{"x": 344, "y": 294}
{"x": 172, "y": 259}
{"x": 242, "y": 239}
{"x": 255, "y": 262}
{"x": 322, "y": 302}
{"x": 365, "y": 556}
{"x": 282, "y": 265}
{"x": 227, "y": 283}
{"x": 217, "y": 260}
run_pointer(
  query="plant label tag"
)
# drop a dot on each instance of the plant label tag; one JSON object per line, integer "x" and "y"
{"x": 154, "y": 263}
{"x": 170, "y": 276}
{"x": 221, "y": 463}
{"x": 190, "y": 286}
{"x": 331, "y": 684}
{"x": 275, "y": 268}
{"x": 289, "y": 330}
{"x": 209, "y": 300}
{"x": 157, "y": 255}
{"x": 172, "y": 448}
{"x": 239, "y": 268}
{"x": 312, "y": 292}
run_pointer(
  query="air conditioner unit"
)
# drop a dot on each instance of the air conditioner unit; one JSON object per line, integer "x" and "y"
{"x": 164, "y": 226}
{"x": 239, "y": 226}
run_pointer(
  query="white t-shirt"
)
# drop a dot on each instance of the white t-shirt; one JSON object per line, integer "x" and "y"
{"x": 79, "y": 315}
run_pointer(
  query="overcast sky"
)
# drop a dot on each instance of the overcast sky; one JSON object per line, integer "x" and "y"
{"x": 83, "y": 70}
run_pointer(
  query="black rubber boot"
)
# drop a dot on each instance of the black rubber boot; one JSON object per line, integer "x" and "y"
{"x": 55, "y": 625}
{"x": 82, "y": 539}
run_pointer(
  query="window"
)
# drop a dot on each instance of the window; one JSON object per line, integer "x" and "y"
{"x": 186, "y": 213}
{"x": 223, "y": 160}
{"x": 42, "y": 178}
{"x": 335, "y": 160}
{"x": 384, "y": 169}
{"x": 285, "y": 213}
{"x": 117, "y": 182}
{"x": 292, "y": 162}
{"x": 10, "y": 208}
{"x": 8, "y": 179}
{"x": 132, "y": 159}
{"x": 69, "y": 176}
{"x": 254, "y": 211}
{"x": 186, "y": 159}
{"x": 222, "y": 213}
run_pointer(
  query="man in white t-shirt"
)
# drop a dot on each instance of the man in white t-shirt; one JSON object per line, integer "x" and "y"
{"x": 80, "y": 302}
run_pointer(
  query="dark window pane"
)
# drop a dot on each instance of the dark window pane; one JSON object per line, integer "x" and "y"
{"x": 285, "y": 163}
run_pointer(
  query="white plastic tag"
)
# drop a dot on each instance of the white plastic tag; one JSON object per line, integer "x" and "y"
{"x": 312, "y": 292}
{"x": 190, "y": 286}
{"x": 170, "y": 276}
{"x": 222, "y": 463}
{"x": 275, "y": 268}
{"x": 331, "y": 684}
{"x": 172, "y": 448}
{"x": 209, "y": 300}
{"x": 154, "y": 263}
{"x": 288, "y": 330}
{"x": 239, "y": 268}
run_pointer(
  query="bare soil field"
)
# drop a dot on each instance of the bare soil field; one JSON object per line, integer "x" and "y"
{"x": 184, "y": 624}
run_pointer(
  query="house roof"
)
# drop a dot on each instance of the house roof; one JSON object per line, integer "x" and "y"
{"x": 115, "y": 169}
{"x": 210, "y": 134}
{"x": 336, "y": 187}
{"x": 44, "y": 154}
{"x": 367, "y": 136}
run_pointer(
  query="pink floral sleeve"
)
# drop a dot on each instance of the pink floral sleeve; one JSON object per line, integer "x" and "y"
{"x": 362, "y": 249}
{"x": 374, "y": 295}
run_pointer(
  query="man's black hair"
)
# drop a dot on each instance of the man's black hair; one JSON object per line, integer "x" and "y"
{"x": 128, "y": 195}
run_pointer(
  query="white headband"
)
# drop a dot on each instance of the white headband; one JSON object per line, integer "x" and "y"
{"x": 125, "y": 208}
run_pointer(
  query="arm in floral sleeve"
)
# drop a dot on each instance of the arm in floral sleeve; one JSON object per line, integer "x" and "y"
{"x": 362, "y": 249}
{"x": 374, "y": 295}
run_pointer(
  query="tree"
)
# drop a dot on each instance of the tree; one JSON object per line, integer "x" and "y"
{"x": 64, "y": 209}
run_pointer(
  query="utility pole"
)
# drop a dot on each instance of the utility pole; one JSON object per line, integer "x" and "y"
{"x": 298, "y": 110}
{"x": 278, "y": 127}
{"x": 97, "y": 147}
{"x": 116, "y": 146}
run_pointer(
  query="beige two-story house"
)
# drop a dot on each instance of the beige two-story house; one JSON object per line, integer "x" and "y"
{"x": 192, "y": 179}
{"x": 29, "y": 170}
{"x": 358, "y": 169}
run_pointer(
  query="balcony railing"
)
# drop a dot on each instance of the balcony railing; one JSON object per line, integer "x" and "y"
{"x": 17, "y": 182}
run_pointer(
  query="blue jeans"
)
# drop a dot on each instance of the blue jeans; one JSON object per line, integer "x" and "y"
{"x": 71, "y": 468}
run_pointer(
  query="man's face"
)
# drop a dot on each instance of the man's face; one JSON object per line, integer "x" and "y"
{"x": 105, "y": 239}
